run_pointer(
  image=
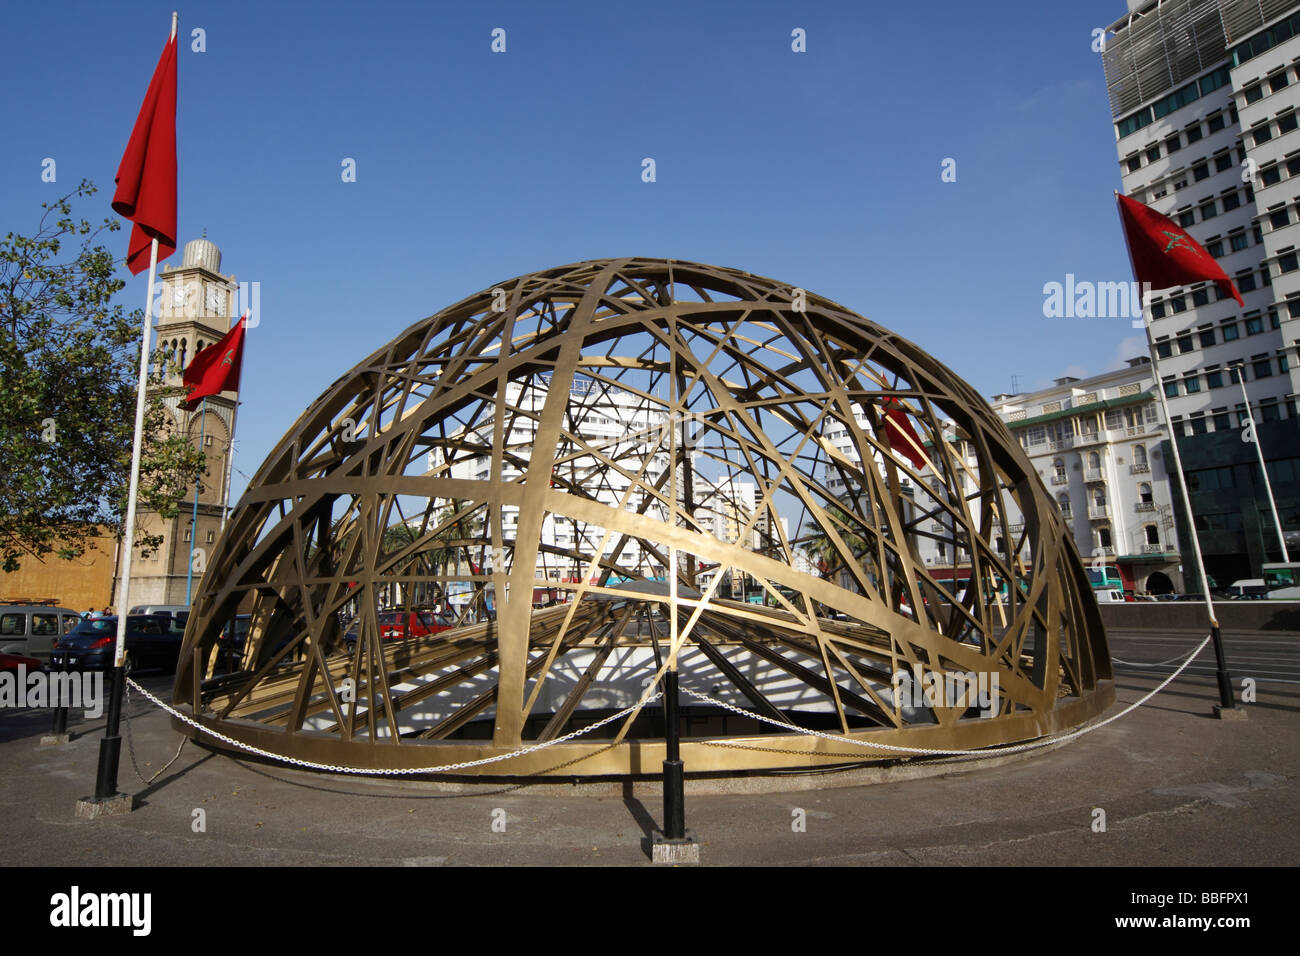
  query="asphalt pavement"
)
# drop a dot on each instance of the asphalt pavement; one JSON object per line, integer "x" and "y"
{"x": 1174, "y": 785}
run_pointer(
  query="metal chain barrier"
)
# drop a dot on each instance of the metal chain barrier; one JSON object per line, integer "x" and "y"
{"x": 390, "y": 771}
{"x": 130, "y": 741}
{"x": 985, "y": 752}
{"x": 446, "y": 768}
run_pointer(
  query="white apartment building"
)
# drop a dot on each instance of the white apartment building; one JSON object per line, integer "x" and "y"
{"x": 1096, "y": 444}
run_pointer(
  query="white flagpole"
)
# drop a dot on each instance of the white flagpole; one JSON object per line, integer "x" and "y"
{"x": 128, "y": 532}
{"x": 1227, "y": 703}
{"x": 110, "y": 746}
{"x": 1240, "y": 369}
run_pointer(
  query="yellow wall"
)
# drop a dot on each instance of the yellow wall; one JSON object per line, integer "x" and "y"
{"x": 79, "y": 584}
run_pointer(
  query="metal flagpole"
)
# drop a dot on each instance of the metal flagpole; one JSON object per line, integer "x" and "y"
{"x": 1226, "y": 701}
{"x": 110, "y": 747}
{"x": 1259, "y": 449}
{"x": 194, "y": 518}
{"x": 230, "y": 447}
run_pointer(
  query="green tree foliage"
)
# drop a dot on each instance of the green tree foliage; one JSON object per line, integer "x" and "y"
{"x": 69, "y": 362}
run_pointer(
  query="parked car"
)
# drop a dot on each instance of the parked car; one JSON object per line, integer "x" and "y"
{"x": 397, "y": 625}
{"x": 150, "y": 642}
{"x": 29, "y": 630}
{"x": 9, "y": 663}
{"x": 1109, "y": 596}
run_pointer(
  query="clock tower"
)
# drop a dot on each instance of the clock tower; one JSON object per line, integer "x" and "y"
{"x": 194, "y": 312}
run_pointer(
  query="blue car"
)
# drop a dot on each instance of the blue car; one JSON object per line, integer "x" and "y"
{"x": 150, "y": 642}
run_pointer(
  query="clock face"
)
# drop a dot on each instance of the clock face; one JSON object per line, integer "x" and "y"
{"x": 216, "y": 299}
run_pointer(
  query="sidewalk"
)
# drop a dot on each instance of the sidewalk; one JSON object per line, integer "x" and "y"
{"x": 1177, "y": 786}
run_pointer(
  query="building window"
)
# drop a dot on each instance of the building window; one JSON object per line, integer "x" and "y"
{"x": 1192, "y": 384}
{"x": 1263, "y": 368}
{"x": 1209, "y": 210}
{"x": 1144, "y": 493}
{"x": 1193, "y": 134}
{"x": 1153, "y": 153}
{"x": 1140, "y": 456}
{"x": 1103, "y": 538}
{"x": 1164, "y": 348}
{"x": 1221, "y": 423}
{"x": 1184, "y": 343}
{"x": 1215, "y": 122}
{"x": 1134, "y": 163}
{"x": 1199, "y": 425}
{"x": 1173, "y": 144}
{"x": 1246, "y": 281}
{"x": 1171, "y": 389}
{"x": 212, "y": 536}
{"x": 1238, "y": 241}
{"x": 1268, "y": 412}
{"x": 1277, "y": 81}
{"x": 1201, "y": 297}
{"x": 1153, "y": 535}
{"x": 1278, "y": 218}
{"x": 1200, "y": 171}
{"x": 1288, "y": 262}
{"x": 1254, "y": 326}
{"x": 1286, "y": 122}
{"x": 1207, "y": 338}
{"x": 187, "y": 534}
{"x": 1214, "y": 377}
{"x": 1254, "y": 92}
{"x": 1157, "y": 310}
{"x": 1230, "y": 332}
{"x": 1215, "y": 248}
{"x": 1231, "y": 201}
{"x": 1262, "y": 134}
{"x": 1186, "y": 219}
{"x": 1178, "y": 304}
{"x": 1222, "y": 162}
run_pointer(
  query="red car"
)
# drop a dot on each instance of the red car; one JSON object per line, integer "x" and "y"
{"x": 395, "y": 625}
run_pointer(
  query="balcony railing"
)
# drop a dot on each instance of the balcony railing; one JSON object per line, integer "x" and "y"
{"x": 1134, "y": 430}
{"x": 1153, "y": 549}
{"x": 1061, "y": 444}
{"x": 1098, "y": 511}
{"x": 1060, "y": 479}
{"x": 1138, "y": 469}
{"x": 1144, "y": 506}
{"x": 1093, "y": 474}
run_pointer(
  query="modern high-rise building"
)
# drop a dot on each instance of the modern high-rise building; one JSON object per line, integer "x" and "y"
{"x": 1204, "y": 97}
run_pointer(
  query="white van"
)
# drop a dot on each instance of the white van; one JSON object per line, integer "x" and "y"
{"x": 1109, "y": 596}
{"x": 1247, "y": 589}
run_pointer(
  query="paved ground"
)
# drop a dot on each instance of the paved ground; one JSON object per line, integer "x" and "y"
{"x": 1177, "y": 786}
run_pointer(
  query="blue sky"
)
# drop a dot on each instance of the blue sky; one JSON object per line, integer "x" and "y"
{"x": 819, "y": 169}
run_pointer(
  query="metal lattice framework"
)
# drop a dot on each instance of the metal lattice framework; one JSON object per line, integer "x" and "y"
{"x": 590, "y": 473}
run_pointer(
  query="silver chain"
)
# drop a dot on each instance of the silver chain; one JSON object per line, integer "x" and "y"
{"x": 445, "y": 768}
{"x": 391, "y": 771}
{"x": 985, "y": 752}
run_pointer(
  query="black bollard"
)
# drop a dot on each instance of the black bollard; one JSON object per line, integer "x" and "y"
{"x": 110, "y": 747}
{"x": 674, "y": 781}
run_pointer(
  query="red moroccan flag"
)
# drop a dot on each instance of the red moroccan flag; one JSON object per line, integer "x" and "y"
{"x": 216, "y": 368}
{"x": 1164, "y": 254}
{"x": 146, "y": 177}
{"x": 902, "y": 436}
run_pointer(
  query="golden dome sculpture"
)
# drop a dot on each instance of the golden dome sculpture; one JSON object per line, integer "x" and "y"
{"x": 504, "y": 525}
